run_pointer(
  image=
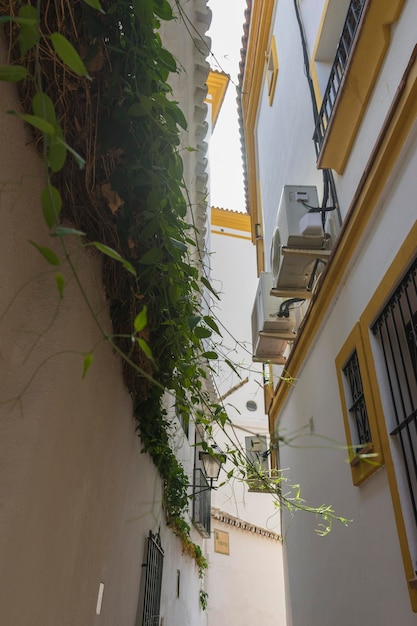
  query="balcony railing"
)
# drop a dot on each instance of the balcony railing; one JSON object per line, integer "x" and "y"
{"x": 396, "y": 330}
{"x": 338, "y": 69}
{"x": 201, "y": 503}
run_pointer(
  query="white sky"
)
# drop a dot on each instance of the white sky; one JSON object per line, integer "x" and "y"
{"x": 226, "y": 171}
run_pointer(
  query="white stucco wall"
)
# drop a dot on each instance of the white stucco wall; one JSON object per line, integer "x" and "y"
{"x": 248, "y": 584}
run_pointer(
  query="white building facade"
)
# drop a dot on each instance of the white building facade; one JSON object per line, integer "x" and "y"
{"x": 245, "y": 578}
{"x": 351, "y": 410}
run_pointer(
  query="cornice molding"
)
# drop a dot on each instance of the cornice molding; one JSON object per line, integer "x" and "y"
{"x": 225, "y": 518}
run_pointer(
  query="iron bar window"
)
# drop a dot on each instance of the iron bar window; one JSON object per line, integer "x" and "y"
{"x": 357, "y": 406}
{"x": 396, "y": 331}
{"x": 338, "y": 69}
{"x": 153, "y": 580}
{"x": 201, "y": 503}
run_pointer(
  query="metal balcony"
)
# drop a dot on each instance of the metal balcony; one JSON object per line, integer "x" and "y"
{"x": 343, "y": 51}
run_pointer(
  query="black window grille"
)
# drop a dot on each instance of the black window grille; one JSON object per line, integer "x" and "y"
{"x": 153, "y": 580}
{"x": 357, "y": 406}
{"x": 201, "y": 503}
{"x": 396, "y": 330}
{"x": 338, "y": 69}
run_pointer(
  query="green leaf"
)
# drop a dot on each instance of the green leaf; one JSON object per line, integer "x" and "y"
{"x": 210, "y": 355}
{"x": 78, "y": 158}
{"x": 113, "y": 255}
{"x": 178, "y": 115}
{"x": 212, "y": 324}
{"x": 68, "y": 54}
{"x": 143, "y": 107}
{"x": 57, "y": 151}
{"x": 36, "y": 122}
{"x": 43, "y": 106}
{"x": 141, "y": 319}
{"x": 193, "y": 321}
{"x": 51, "y": 205}
{"x": 166, "y": 58}
{"x": 94, "y": 4}
{"x": 59, "y": 281}
{"x": 88, "y": 359}
{"x": 232, "y": 367}
{"x": 12, "y": 73}
{"x": 144, "y": 347}
{"x": 56, "y": 147}
{"x": 163, "y": 9}
{"x": 202, "y": 333}
{"x": 152, "y": 257}
{"x": 209, "y": 287}
{"x": 5, "y": 19}
{"x": 178, "y": 244}
{"x": 47, "y": 253}
{"x": 29, "y": 30}
{"x": 63, "y": 231}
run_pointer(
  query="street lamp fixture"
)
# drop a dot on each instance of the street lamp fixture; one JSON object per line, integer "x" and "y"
{"x": 212, "y": 460}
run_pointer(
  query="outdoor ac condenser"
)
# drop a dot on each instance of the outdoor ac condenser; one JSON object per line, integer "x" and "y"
{"x": 270, "y": 333}
{"x": 296, "y": 228}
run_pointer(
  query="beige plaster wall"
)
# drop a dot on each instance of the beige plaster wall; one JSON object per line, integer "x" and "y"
{"x": 77, "y": 498}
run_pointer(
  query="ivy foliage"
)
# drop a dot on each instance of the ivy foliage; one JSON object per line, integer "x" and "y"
{"x": 94, "y": 88}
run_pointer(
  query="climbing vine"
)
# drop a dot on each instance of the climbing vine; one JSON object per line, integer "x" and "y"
{"x": 93, "y": 80}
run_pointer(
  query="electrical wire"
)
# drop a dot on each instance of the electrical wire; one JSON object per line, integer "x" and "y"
{"x": 329, "y": 187}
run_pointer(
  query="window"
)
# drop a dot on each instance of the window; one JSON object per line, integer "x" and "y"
{"x": 357, "y": 405}
{"x": 201, "y": 503}
{"x": 150, "y": 598}
{"x": 271, "y": 69}
{"x": 395, "y": 331}
{"x": 358, "y": 409}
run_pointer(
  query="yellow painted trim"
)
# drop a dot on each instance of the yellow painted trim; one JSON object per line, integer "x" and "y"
{"x": 217, "y": 83}
{"x": 259, "y": 238}
{"x": 360, "y": 76}
{"x": 260, "y": 23}
{"x": 316, "y": 86}
{"x": 219, "y": 232}
{"x": 362, "y": 469}
{"x": 387, "y": 150}
{"x": 400, "y": 264}
{"x": 271, "y": 69}
{"x": 313, "y": 70}
{"x": 230, "y": 219}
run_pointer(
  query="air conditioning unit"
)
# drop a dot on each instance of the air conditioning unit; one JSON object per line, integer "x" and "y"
{"x": 296, "y": 229}
{"x": 270, "y": 333}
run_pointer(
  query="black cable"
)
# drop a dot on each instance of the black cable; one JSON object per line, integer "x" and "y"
{"x": 328, "y": 178}
{"x": 284, "y": 309}
{"x": 318, "y": 209}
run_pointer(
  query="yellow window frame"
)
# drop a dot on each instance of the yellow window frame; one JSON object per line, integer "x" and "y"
{"x": 385, "y": 289}
{"x": 370, "y": 458}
